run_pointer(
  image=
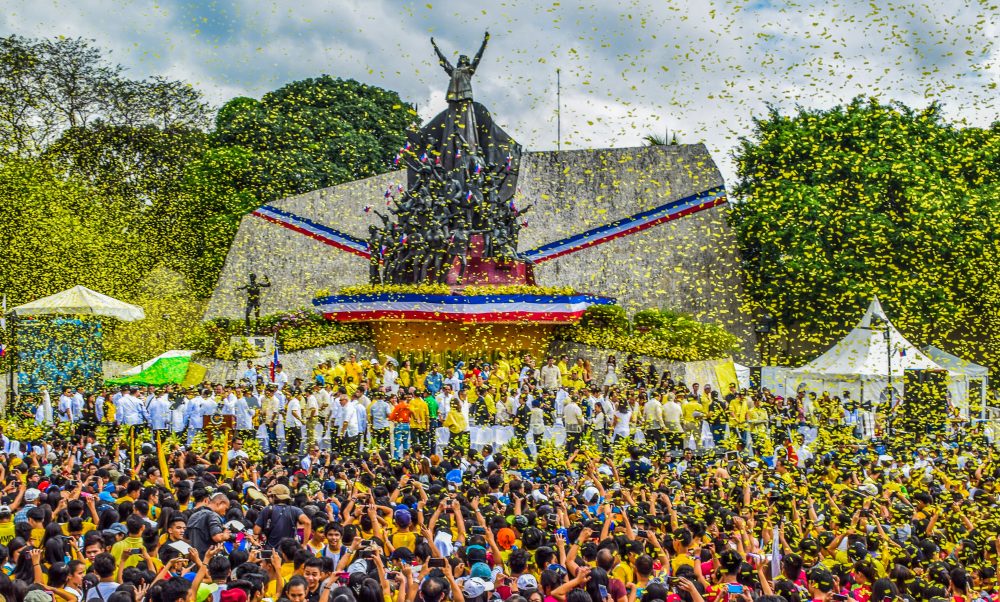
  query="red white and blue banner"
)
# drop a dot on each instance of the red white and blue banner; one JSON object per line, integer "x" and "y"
{"x": 629, "y": 225}
{"x": 554, "y": 309}
{"x": 623, "y": 227}
{"x": 316, "y": 231}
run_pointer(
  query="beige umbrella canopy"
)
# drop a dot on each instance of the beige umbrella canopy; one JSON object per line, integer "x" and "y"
{"x": 81, "y": 301}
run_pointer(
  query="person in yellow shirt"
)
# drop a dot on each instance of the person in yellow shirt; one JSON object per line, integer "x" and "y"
{"x": 419, "y": 375}
{"x": 339, "y": 371}
{"x": 501, "y": 371}
{"x": 353, "y": 368}
{"x": 564, "y": 369}
{"x": 738, "y": 411}
{"x": 458, "y": 425}
{"x": 757, "y": 420}
{"x": 123, "y": 551}
{"x": 420, "y": 423}
{"x": 578, "y": 375}
{"x": 6, "y": 525}
{"x": 405, "y": 376}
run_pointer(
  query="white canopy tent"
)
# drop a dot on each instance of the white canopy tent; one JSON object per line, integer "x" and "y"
{"x": 863, "y": 363}
{"x": 978, "y": 376}
{"x": 81, "y": 301}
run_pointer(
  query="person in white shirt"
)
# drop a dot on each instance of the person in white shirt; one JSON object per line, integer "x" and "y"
{"x": 652, "y": 422}
{"x": 550, "y": 375}
{"x": 311, "y": 417}
{"x": 349, "y": 431}
{"x": 244, "y": 417}
{"x": 294, "y": 424}
{"x": 390, "y": 376}
{"x": 77, "y": 404}
{"x": 622, "y": 421}
{"x": 237, "y": 451}
{"x": 272, "y": 409}
{"x": 673, "y": 425}
{"x": 280, "y": 377}
{"x": 133, "y": 412}
{"x": 179, "y": 413}
{"x": 65, "y": 405}
{"x": 250, "y": 374}
{"x": 159, "y": 413}
{"x": 573, "y": 421}
{"x": 43, "y": 414}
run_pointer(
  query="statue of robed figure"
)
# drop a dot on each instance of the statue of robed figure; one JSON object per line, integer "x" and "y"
{"x": 466, "y": 129}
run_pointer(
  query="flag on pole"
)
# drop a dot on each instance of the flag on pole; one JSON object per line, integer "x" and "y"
{"x": 161, "y": 455}
{"x": 274, "y": 361}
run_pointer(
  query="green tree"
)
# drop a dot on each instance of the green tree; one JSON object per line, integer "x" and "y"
{"x": 58, "y": 233}
{"x": 837, "y": 205}
{"x": 50, "y": 85}
{"x": 315, "y": 133}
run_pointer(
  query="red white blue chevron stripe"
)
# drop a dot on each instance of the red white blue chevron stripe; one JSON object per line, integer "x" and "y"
{"x": 629, "y": 225}
{"x": 556, "y": 309}
{"x": 324, "y": 234}
{"x": 623, "y": 227}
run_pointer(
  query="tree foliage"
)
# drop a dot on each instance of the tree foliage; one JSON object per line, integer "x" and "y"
{"x": 315, "y": 133}
{"x": 835, "y": 206}
{"x": 122, "y": 174}
{"x": 50, "y": 85}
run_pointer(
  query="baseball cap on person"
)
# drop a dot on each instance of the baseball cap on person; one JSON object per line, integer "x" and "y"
{"x": 404, "y": 555}
{"x": 118, "y": 529}
{"x": 32, "y": 495}
{"x": 5, "y": 511}
{"x": 37, "y": 596}
{"x": 280, "y": 492}
{"x": 482, "y": 571}
{"x": 527, "y": 582}
{"x": 402, "y": 518}
{"x": 475, "y": 554}
{"x": 475, "y": 587}
{"x": 233, "y": 595}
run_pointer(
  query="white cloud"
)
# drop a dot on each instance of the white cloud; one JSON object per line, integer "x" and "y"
{"x": 701, "y": 68}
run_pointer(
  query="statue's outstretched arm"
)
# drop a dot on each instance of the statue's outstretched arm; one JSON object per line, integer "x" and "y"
{"x": 482, "y": 49}
{"x": 442, "y": 58}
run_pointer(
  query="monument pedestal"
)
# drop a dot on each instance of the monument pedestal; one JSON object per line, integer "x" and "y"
{"x": 481, "y": 270}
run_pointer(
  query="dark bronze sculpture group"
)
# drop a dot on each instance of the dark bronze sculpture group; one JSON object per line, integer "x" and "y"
{"x": 462, "y": 174}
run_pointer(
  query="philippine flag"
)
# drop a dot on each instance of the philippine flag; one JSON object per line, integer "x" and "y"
{"x": 403, "y": 239}
{"x": 423, "y": 157}
{"x": 274, "y": 361}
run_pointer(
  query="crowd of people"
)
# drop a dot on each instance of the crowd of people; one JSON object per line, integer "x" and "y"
{"x": 350, "y": 406}
{"x": 732, "y": 496}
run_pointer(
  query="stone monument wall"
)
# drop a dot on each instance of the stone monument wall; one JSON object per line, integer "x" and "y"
{"x": 689, "y": 264}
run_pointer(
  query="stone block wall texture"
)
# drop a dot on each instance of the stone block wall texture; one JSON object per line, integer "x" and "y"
{"x": 689, "y": 264}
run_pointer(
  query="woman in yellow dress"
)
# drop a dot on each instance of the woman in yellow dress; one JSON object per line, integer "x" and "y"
{"x": 405, "y": 376}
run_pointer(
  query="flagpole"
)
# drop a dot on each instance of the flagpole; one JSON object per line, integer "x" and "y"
{"x": 11, "y": 391}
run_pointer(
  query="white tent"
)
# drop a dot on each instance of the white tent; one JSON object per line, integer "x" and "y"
{"x": 864, "y": 363}
{"x": 81, "y": 301}
{"x": 978, "y": 376}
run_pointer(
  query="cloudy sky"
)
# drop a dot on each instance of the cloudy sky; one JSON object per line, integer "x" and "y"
{"x": 701, "y": 69}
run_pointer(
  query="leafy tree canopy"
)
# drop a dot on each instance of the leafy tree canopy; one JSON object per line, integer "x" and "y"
{"x": 834, "y": 206}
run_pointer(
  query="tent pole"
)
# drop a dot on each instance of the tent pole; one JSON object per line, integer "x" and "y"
{"x": 11, "y": 397}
